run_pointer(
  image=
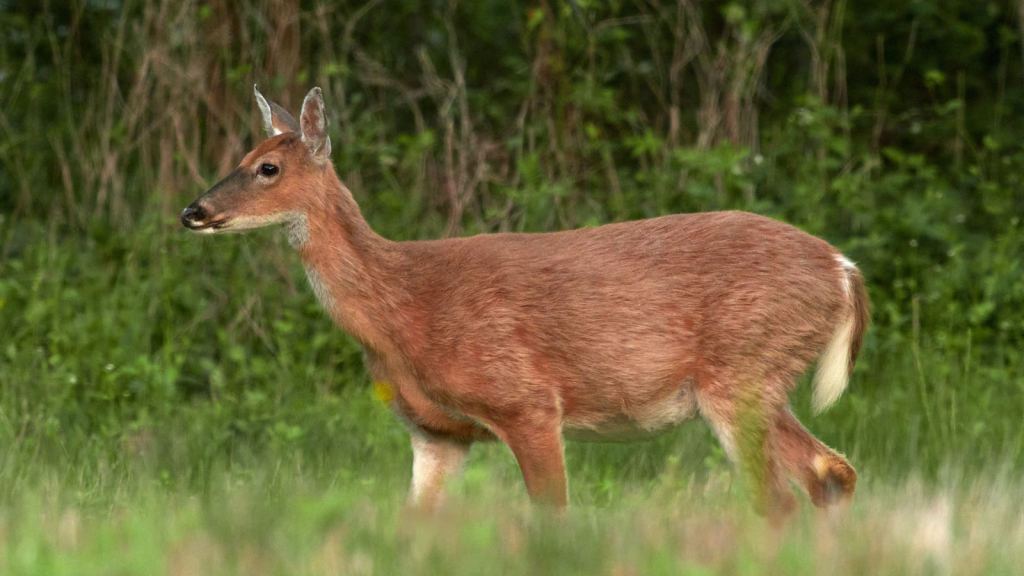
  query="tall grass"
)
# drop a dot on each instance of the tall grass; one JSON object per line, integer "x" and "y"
{"x": 289, "y": 526}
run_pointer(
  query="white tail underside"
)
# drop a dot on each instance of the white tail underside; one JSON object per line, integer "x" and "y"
{"x": 834, "y": 364}
{"x": 834, "y": 367}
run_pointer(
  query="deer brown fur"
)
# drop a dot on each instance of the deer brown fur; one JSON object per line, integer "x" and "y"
{"x": 608, "y": 333}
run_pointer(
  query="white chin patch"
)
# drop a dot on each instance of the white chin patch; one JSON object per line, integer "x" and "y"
{"x": 249, "y": 222}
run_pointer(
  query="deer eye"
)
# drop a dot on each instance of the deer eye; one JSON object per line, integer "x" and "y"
{"x": 268, "y": 169}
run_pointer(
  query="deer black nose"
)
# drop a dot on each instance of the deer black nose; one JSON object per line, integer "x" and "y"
{"x": 193, "y": 215}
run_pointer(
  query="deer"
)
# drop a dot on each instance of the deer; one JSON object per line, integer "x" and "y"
{"x": 611, "y": 333}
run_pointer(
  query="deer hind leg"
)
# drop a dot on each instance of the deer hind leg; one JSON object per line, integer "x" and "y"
{"x": 743, "y": 424}
{"x": 825, "y": 474}
{"x": 434, "y": 461}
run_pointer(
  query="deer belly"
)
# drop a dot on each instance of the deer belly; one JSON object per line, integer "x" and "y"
{"x": 637, "y": 422}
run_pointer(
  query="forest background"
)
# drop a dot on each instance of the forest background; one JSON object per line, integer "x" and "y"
{"x": 141, "y": 366}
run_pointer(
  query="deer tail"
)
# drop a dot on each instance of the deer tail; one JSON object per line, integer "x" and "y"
{"x": 837, "y": 360}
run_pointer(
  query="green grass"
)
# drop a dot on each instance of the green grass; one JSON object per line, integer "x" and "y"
{"x": 178, "y": 405}
{"x": 275, "y": 517}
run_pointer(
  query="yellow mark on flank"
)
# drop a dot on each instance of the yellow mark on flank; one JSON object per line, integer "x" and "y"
{"x": 384, "y": 392}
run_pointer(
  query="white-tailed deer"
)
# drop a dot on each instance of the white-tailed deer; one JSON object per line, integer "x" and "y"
{"x": 609, "y": 333}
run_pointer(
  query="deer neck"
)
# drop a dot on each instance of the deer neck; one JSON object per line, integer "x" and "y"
{"x": 352, "y": 270}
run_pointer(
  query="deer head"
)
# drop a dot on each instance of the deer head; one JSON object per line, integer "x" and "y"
{"x": 273, "y": 183}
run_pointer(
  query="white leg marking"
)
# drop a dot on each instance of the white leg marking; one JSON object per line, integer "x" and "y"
{"x": 726, "y": 439}
{"x": 723, "y": 430}
{"x": 433, "y": 462}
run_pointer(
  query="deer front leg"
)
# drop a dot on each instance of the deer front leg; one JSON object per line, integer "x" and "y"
{"x": 537, "y": 445}
{"x": 434, "y": 461}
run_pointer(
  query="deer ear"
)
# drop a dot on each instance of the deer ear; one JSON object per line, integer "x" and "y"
{"x": 276, "y": 120}
{"x": 314, "y": 125}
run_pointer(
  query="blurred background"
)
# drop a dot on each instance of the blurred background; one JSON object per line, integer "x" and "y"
{"x": 891, "y": 129}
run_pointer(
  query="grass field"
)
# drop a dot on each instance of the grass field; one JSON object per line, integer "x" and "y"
{"x": 181, "y": 406}
{"x": 275, "y": 518}
{"x": 666, "y": 507}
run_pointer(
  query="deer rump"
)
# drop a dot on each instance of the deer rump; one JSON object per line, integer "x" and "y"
{"x": 622, "y": 328}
